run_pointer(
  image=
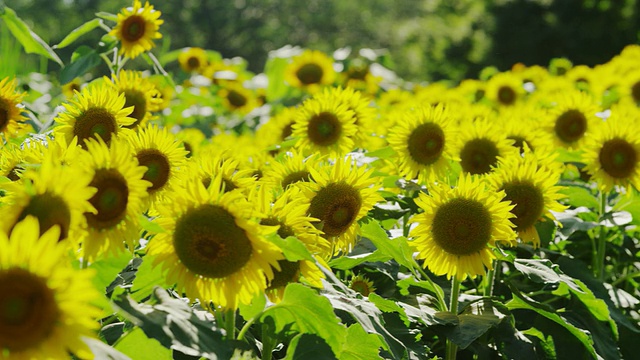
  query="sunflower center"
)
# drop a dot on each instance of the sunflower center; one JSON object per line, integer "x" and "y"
{"x": 478, "y": 156}
{"x": 519, "y": 141}
{"x": 95, "y": 121}
{"x": 309, "y": 74}
{"x": 188, "y": 148}
{"x": 286, "y": 131}
{"x": 571, "y": 126}
{"x": 4, "y": 115}
{"x": 289, "y": 272}
{"x": 462, "y": 226}
{"x": 193, "y": 63}
{"x": 133, "y": 28}
{"x": 110, "y": 200}
{"x": 284, "y": 231}
{"x": 158, "y": 168}
{"x": 618, "y": 158}
{"x": 14, "y": 174}
{"x": 208, "y": 242}
{"x": 50, "y": 210}
{"x": 28, "y": 310}
{"x": 361, "y": 286}
{"x": 139, "y": 102}
{"x": 506, "y": 95}
{"x": 528, "y": 201}
{"x": 236, "y": 99}
{"x": 337, "y": 206}
{"x": 295, "y": 177}
{"x": 426, "y": 143}
{"x": 324, "y": 129}
{"x": 635, "y": 92}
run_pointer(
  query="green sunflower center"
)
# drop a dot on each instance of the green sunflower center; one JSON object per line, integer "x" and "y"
{"x": 95, "y": 122}
{"x": 528, "y": 201}
{"x": 236, "y": 99}
{"x": 462, "y": 226}
{"x": 506, "y": 95}
{"x": 289, "y": 272}
{"x": 138, "y": 100}
{"x": 50, "y": 210}
{"x": 618, "y": 158}
{"x": 324, "y": 129}
{"x": 426, "y": 143}
{"x": 28, "y": 310}
{"x": 478, "y": 156}
{"x": 336, "y": 205}
{"x": 110, "y": 200}
{"x": 571, "y": 126}
{"x": 208, "y": 242}
{"x": 133, "y": 28}
{"x": 158, "y": 168}
{"x": 295, "y": 177}
{"x": 310, "y": 74}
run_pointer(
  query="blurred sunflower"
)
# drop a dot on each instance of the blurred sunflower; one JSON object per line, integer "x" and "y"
{"x": 571, "y": 119}
{"x": 522, "y": 125}
{"x": 192, "y": 140}
{"x": 11, "y": 119}
{"x": 238, "y": 99}
{"x": 136, "y": 29}
{"x": 11, "y": 161}
{"x": 193, "y": 59}
{"x": 479, "y": 146}
{"x": 213, "y": 248}
{"x": 47, "y": 305}
{"x": 362, "y": 285}
{"x": 97, "y": 111}
{"x": 138, "y": 92}
{"x": 277, "y": 129}
{"x": 459, "y": 226}
{"x": 504, "y": 89}
{"x": 166, "y": 91}
{"x": 69, "y": 89}
{"x": 310, "y": 71}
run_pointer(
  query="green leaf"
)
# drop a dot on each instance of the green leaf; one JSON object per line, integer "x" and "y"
{"x": 78, "y": 32}
{"x": 384, "y": 153}
{"x": 31, "y": 42}
{"x": 545, "y": 272}
{"x": 349, "y": 262}
{"x": 292, "y": 248}
{"x": 137, "y": 345}
{"x": 274, "y": 70}
{"x": 397, "y": 248}
{"x": 256, "y": 307}
{"x": 359, "y": 345}
{"x": 474, "y": 322}
{"x": 108, "y": 268}
{"x": 149, "y": 225}
{"x": 147, "y": 278}
{"x": 308, "y": 346}
{"x": 84, "y": 59}
{"x": 103, "y": 351}
{"x": 388, "y": 305}
{"x": 580, "y": 196}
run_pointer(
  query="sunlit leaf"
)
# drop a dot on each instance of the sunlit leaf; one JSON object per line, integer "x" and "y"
{"x": 31, "y": 42}
{"x": 138, "y": 346}
{"x": 397, "y": 248}
{"x": 78, "y": 32}
{"x": 360, "y": 345}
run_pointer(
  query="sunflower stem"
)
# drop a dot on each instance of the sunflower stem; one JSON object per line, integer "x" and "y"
{"x": 268, "y": 343}
{"x": 489, "y": 280}
{"x": 230, "y": 323}
{"x": 246, "y": 327}
{"x": 452, "y": 348}
{"x": 405, "y": 224}
{"x": 602, "y": 239}
{"x": 442, "y": 304}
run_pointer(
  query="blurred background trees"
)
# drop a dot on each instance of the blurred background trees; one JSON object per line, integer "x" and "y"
{"x": 427, "y": 39}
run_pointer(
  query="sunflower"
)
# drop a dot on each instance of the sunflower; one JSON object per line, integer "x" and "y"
{"x": 339, "y": 196}
{"x": 97, "y": 111}
{"x": 11, "y": 161}
{"x": 47, "y": 305}
{"x": 11, "y": 118}
{"x": 310, "y": 71}
{"x": 69, "y": 89}
{"x": 458, "y": 227}
{"x": 213, "y": 247}
{"x": 504, "y": 89}
{"x": 238, "y": 99}
{"x": 521, "y": 124}
{"x": 136, "y": 29}
{"x": 479, "y": 146}
{"x": 192, "y": 140}
{"x": 358, "y": 76}
{"x": 531, "y": 188}
{"x": 208, "y": 165}
{"x": 422, "y": 142}
{"x": 290, "y": 168}
{"x": 138, "y": 92}
{"x": 326, "y": 126}
{"x": 612, "y": 152}
{"x": 119, "y": 198}
{"x": 571, "y": 119}
{"x": 166, "y": 91}
{"x": 361, "y": 285}
{"x": 193, "y": 59}
{"x": 277, "y": 129}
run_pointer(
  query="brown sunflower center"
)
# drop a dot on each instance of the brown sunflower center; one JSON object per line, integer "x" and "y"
{"x": 506, "y": 95}
{"x": 289, "y": 272}
{"x": 4, "y": 114}
{"x": 133, "y": 28}
{"x": 138, "y": 100}
{"x": 50, "y": 210}
{"x": 236, "y": 99}
{"x": 158, "y": 168}
{"x": 635, "y": 92}
{"x": 478, "y": 156}
{"x": 361, "y": 286}
{"x": 528, "y": 201}
{"x": 324, "y": 129}
{"x": 284, "y": 231}
{"x": 28, "y": 310}
{"x": 618, "y": 158}
{"x": 337, "y": 206}
{"x": 426, "y": 144}
{"x": 571, "y": 126}
{"x": 110, "y": 200}
{"x": 14, "y": 173}
{"x": 295, "y": 177}
{"x": 462, "y": 226}
{"x": 95, "y": 122}
{"x": 310, "y": 74}
{"x": 188, "y": 148}
{"x": 193, "y": 63}
{"x": 208, "y": 242}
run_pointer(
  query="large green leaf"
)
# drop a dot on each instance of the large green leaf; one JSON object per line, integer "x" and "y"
{"x": 274, "y": 69}
{"x": 138, "y": 346}
{"x": 76, "y": 33}
{"x": 359, "y": 345}
{"x": 31, "y": 42}
{"x": 103, "y": 351}
{"x": 84, "y": 59}
{"x": 309, "y": 346}
{"x": 545, "y": 272}
{"x": 292, "y": 248}
{"x": 397, "y": 248}
{"x": 474, "y": 322}
{"x": 147, "y": 278}
{"x": 351, "y": 261}
{"x": 579, "y": 196}
{"x": 108, "y": 268}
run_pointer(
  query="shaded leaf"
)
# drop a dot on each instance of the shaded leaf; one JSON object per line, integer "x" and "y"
{"x": 76, "y": 33}
{"x": 104, "y": 351}
{"x": 544, "y": 271}
{"x": 351, "y": 261}
{"x": 85, "y": 59}
{"x": 474, "y": 322}
{"x": 308, "y": 346}
{"x": 31, "y": 42}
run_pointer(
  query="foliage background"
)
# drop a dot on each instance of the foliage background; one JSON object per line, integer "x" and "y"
{"x": 428, "y": 39}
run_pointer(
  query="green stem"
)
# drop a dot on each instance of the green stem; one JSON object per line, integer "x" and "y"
{"x": 601, "y": 241}
{"x": 452, "y": 348}
{"x": 491, "y": 279}
{"x": 268, "y": 343}
{"x": 230, "y": 323}
{"x": 442, "y": 304}
{"x": 246, "y": 327}
{"x": 84, "y": 263}
{"x": 405, "y": 224}
{"x": 626, "y": 277}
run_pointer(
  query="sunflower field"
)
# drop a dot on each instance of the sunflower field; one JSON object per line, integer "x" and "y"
{"x": 175, "y": 205}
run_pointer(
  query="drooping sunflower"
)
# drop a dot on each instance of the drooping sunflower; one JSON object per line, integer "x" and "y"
{"x": 571, "y": 119}
{"x": 193, "y": 59}
{"x": 140, "y": 93}
{"x": 362, "y": 285}
{"x": 136, "y": 29}
{"x": 119, "y": 198}
{"x": 47, "y": 305}
{"x": 339, "y": 196}
{"x": 213, "y": 247}
{"x": 479, "y": 146}
{"x": 310, "y": 71}
{"x": 423, "y": 142}
{"x": 290, "y": 168}
{"x": 11, "y": 118}
{"x": 324, "y": 126}
{"x": 459, "y": 226}
{"x": 97, "y": 111}
{"x": 612, "y": 151}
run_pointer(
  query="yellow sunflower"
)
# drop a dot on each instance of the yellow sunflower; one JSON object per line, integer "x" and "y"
{"x": 277, "y": 129}
{"x": 238, "y": 99}
{"x": 213, "y": 247}
{"x": 47, "y": 305}
{"x": 361, "y": 284}
{"x": 423, "y": 141}
{"x": 136, "y": 29}
{"x": 192, "y": 140}
{"x": 97, "y": 111}
{"x": 325, "y": 126}
{"x": 310, "y": 71}
{"x": 571, "y": 119}
{"x": 140, "y": 93}
{"x": 11, "y": 118}
{"x": 69, "y": 89}
{"x": 193, "y": 59}
{"x": 339, "y": 196}
{"x": 166, "y": 91}
{"x": 11, "y": 161}
{"x": 504, "y": 89}
{"x": 479, "y": 146}
{"x": 290, "y": 168}
{"x": 119, "y": 198}
{"x": 459, "y": 226}
{"x": 612, "y": 151}
{"x": 522, "y": 125}
{"x": 208, "y": 165}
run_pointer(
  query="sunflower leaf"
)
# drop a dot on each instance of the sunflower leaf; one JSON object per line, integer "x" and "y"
{"x": 292, "y": 248}
{"x": 84, "y": 59}
{"x": 545, "y": 272}
{"x": 360, "y": 345}
{"x": 137, "y": 345}
{"x": 397, "y": 248}
{"x": 78, "y": 32}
